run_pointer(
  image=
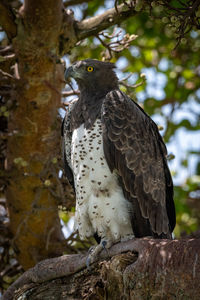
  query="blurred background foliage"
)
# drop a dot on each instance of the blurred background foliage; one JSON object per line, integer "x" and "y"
{"x": 164, "y": 53}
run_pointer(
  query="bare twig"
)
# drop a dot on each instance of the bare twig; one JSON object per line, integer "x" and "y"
{"x": 7, "y": 61}
{"x": 6, "y": 50}
{"x": 123, "y": 81}
{"x": 117, "y": 42}
{"x": 7, "y": 58}
{"x": 70, "y": 93}
{"x": 5, "y": 74}
{"x": 116, "y": 1}
{"x": 119, "y": 13}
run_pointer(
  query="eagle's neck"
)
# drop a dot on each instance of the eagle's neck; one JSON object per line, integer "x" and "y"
{"x": 88, "y": 107}
{"x": 86, "y": 110}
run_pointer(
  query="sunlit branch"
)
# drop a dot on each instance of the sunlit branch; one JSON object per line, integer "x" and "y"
{"x": 6, "y": 75}
{"x": 6, "y": 50}
{"x": 117, "y": 43}
{"x": 123, "y": 81}
{"x": 110, "y": 17}
{"x": 70, "y": 93}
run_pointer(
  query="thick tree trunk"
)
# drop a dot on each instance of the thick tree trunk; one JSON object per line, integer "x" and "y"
{"x": 34, "y": 139}
{"x": 139, "y": 269}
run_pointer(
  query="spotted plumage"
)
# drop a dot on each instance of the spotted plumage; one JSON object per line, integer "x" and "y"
{"x": 116, "y": 160}
{"x": 97, "y": 190}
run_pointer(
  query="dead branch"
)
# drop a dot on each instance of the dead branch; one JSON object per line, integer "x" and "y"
{"x": 117, "y": 42}
{"x": 124, "y": 83}
{"x": 116, "y": 15}
{"x": 98, "y": 23}
{"x": 6, "y": 50}
{"x": 183, "y": 18}
{"x": 7, "y": 19}
{"x": 134, "y": 263}
{"x": 70, "y": 93}
{"x": 6, "y": 75}
{"x": 9, "y": 57}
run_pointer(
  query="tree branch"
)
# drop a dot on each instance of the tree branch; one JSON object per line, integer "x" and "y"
{"x": 70, "y": 93}
{"x": 98, "y": 23}
{"x": 7, "y": 19}
{"x": 6, "y": 62}
{"x": 137, "y": 262}
{"x": 39, "y": 86}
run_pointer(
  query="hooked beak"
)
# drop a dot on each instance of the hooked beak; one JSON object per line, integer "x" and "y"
{"x": 69, "y": 73}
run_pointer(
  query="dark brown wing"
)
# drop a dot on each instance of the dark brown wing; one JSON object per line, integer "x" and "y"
{"x": 66, "y": 146}
{"x": 134, "y": 148}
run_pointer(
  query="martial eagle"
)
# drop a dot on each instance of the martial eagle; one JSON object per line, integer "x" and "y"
{"x": 115, "y": 158}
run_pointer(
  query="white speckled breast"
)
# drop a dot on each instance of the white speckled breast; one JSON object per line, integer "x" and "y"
{"x": 100, "y": 203}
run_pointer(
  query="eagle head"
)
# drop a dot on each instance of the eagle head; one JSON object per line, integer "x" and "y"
{"x": 93, "y": 75}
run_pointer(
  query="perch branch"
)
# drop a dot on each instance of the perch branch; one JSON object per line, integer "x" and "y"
{"x": 151, "y": 256}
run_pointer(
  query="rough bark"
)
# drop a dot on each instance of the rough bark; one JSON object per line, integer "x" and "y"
{"x": 139, "y": 269}
{"x": 34, "y": 218}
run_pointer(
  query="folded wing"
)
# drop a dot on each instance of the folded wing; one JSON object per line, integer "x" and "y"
{"x": 134, "y": 149}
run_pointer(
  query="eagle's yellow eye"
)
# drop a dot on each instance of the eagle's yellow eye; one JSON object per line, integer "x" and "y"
{"x": 90, "y": 69}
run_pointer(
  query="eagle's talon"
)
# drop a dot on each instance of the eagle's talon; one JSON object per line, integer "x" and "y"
{"x": 91, "y": 249}
{"x": 92, "y": 253}
{"x": 88, "y": 262}
{"x": 90, "y": 259}
{"x": 104, "y": 243}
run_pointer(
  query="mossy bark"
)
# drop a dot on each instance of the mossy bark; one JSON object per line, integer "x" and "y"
{"x": 34, "y": 138}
